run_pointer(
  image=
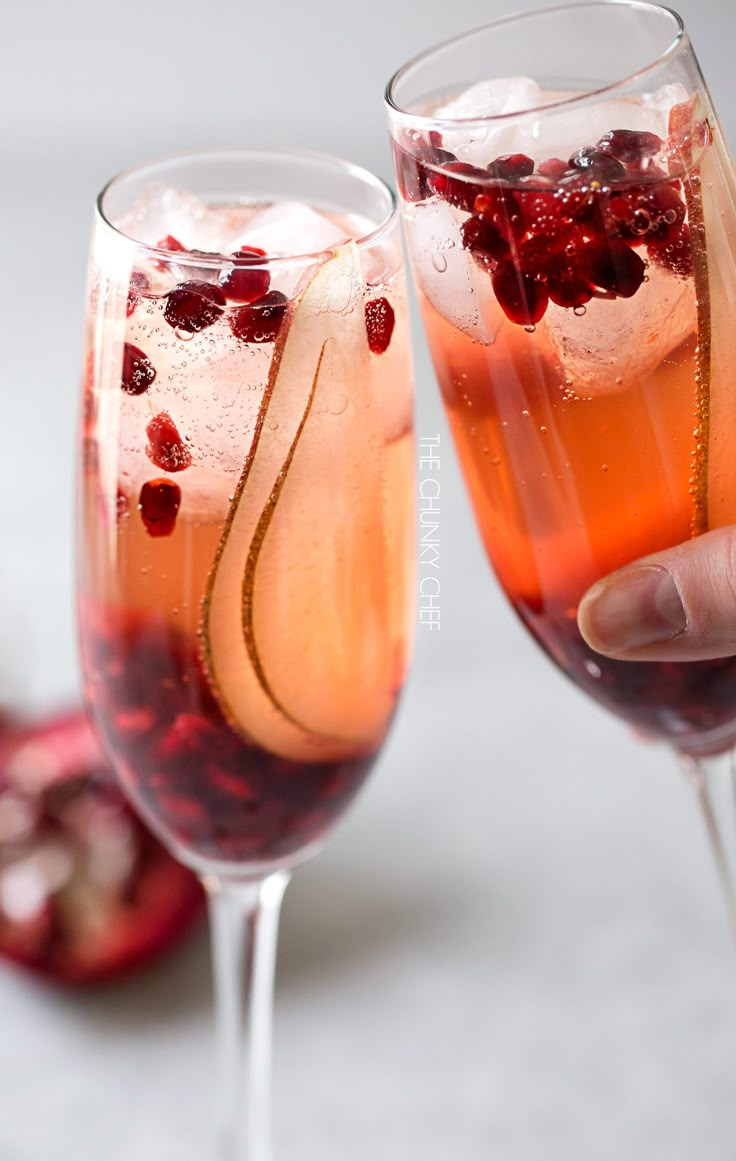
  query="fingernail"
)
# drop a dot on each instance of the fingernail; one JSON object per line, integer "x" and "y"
{"x": 633, "y": 608}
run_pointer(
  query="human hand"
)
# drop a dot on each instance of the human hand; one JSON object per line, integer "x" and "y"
{"x": 675, "y": 605}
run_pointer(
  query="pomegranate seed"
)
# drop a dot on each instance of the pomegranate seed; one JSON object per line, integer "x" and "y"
{"x": 139, "y": 284}
{"x": 629, "y": 144}
{"x": 565, "y": 289}
{"x": 193, "y": 306}
{"x": 577, "y": 199}
{"x": 135, "y": 721}
{"x": 554, "y": 168}
{"x": 522, "y": 299}
{"x": 500, "y": 207}
{"x": 165, "y": 446}
{"x": 246, "y": 283}
{"x": 189, "y": 733}
{"x": 667, "y": 209}
{"x": 168, "y": 243}
{"x": 614, "y": 266}
{"x": 457, "y": 190}
{"x": 600, "y": 166}
{"x": 539, "y": 204}
{"x": 261, "y": 321}
{"x": 138, "y": 371}
{"x": 651, "y": 213}
{"x": 159, "y": 504}
{"x": 232, "y": 784}
{"x": 511, "y": 166}
{"x": 411, "y": 170}
{"x": 379, "y": 324}
{"x": 484, "y": 241}
{"x": 548, "y": 253}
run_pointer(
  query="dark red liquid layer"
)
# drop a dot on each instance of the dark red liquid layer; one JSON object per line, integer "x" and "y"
{"x": 198, "y": 780}
{"x": 691, "y": 704}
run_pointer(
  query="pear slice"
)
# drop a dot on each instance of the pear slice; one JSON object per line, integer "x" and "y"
{"x": 296, "y": 620}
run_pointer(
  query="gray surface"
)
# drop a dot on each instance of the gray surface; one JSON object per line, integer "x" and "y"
{"x": 513, "y": 948}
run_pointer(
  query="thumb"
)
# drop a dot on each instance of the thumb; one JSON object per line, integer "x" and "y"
{"x": 675, "y": 605}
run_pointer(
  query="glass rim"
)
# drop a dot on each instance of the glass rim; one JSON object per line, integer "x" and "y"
{"x": 194, "y": 258}
{"x": 421, "y": 120}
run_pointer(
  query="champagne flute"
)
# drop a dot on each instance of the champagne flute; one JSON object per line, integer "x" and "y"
{"x": 570, "y": 208}
{"x": 245, "y": 533}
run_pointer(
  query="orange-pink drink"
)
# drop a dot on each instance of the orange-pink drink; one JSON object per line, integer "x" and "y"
{"x": 579, "y": 315}
{"x": 248, "y": 518}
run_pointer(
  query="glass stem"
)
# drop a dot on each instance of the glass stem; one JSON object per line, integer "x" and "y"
{"x": 244, "y": 917}
{"x": 714, "y": 780}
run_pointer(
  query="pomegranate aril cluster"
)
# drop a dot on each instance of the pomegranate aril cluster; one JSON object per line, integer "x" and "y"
{"x": 255, "y": 314}
{"x": 218, "y": 793}
{"x": 575, "y": 229}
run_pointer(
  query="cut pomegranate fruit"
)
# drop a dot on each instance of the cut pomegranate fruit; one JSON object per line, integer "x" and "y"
{"x": 522, "y": 299}
{"x": 379, "y": 324}
{"x": 138, "y": 371}
{"x": 159, "y": 504}
{"x": 166, "y": 449}
{"x": 246, "y": 283}
{"x": 86, "y": 893}
{"x": 260, "y": 322}
{"x": 194, "y": 306}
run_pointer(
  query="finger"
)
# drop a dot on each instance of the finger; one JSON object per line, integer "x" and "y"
{"x": 675, "y": 605}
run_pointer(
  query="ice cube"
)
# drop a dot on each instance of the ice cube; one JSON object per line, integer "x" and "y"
{"x": 448, "y": 275}
{"x": 288, "y": 228}
{"x": 549, "y": 130}
{"x": 616, "y": 343}
{"x": 492, "y": 98}
{"x": 163, "y": 210}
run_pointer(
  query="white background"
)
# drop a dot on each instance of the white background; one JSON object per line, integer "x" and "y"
{"x": 513, "y": 950}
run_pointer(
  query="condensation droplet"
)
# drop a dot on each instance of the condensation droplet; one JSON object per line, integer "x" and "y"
{"x": 604, "y": 467}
